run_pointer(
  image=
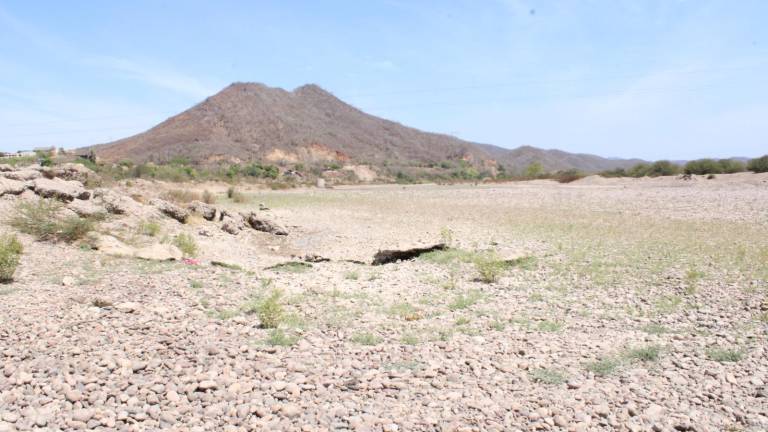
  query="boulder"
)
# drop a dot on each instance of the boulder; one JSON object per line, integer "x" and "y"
{"x": 264, "y": 225}
{"x": 22, "y": 174}
{"x": 116, "y": 203}
{"x": 110, "y": 245}
{"x": 87, "y": 208}
{"x": 70, "y": 171}
{"x": 13, "y": 187}
{"x": 232, "y": 223}
{"x": 6, "y": 167}
{"x": 208, "y": 212}
{"x": 159, "y": 252}
{"x": 171, "y": 210}
{"x": 64, "y": 190}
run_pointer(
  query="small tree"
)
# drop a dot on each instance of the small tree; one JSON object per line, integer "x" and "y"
{"x": 758, "y": 165}
{"x": 534, "y": 170}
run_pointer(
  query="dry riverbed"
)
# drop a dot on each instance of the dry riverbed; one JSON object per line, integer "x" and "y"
{"x": 599, "y": 305}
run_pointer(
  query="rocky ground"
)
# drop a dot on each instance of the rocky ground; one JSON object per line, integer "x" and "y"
{"x": 622, "y": 305}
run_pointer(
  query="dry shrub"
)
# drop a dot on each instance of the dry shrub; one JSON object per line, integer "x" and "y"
{"x": 182, "y": 196}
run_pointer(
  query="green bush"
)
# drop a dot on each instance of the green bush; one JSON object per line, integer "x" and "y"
{"x": 186, "y": 244}
{"x": 702, "y": 167}
{"x": 490, "y": 267}
{"x": 10, "y": 254}
{"x": 758, "y": 165}
{"x": 74, "y": 228}
{"x": 663, "y": 168}
{"x": 269, "y": 310}
{"x": 730, "y": 166}
{"x": 37, "y": 218}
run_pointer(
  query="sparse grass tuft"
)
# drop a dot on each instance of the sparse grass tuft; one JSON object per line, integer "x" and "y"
{"x": 409, "y": 339}
{"x": 668, "y": 304}
{"x": 724, "y": 355}
{"x": 655, "y": 329}
{"x": 405, "y": 311}
{"x": 463, "y": 301}
{"x": 548, "y": 376}
{"x": 498, "y": 325}
{"x": 278, "y": 337}
{"x": 352, "y": 275}
{"x": 550, "y": 326}
{"x": 10, "y": 254}
{"x": 604, "y": 367}
{"x": 365, "y": 338}
{"x": 186, "y": 244}
{"x": 648, "y": 353}
{"x": 195, "y": 284}
{"x": 149, "y": 228}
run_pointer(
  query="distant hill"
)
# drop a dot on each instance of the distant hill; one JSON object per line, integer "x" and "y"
{"x": 249, "y": 121}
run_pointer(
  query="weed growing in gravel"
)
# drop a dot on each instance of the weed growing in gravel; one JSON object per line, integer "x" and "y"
{"x": 10, "y": 254}
{"x": 649, "y": 353}
{"x": 463, "y": 301}
{"x": 460, "y": 321}
{"x": 548, "y": 376}
{"x": 405, "y": 311}
{"x": 446, "y": 236}
{"x": 73, "y": 228}
{"x": 291, "y": 267}
{"x": 550, "y": 326}
{"x": 224, "y": 314}
{"x": 724, "y": 355}
{"x": 186, "y": 244}
{"x": 655, "y": 329}
{"x": 668, "y": 304}
{"x": 195, "y": 284}
{"x": 490, "y": 267}
{"x": 409, "y": 339}
{"x": 449, "y": 256}
{"x": 41, "y": 220}
{"x": 498, "y": 325}
{"x": 604, "y": 367}
{"x": 269, "y": 310}
{"x": 525, "y": 263}
{"x": 278, "y": 337}
{"x": 149, "y": 228}
{"x": 352, "y": 275}
{"x": 7, "y": 291}
{"x": 365, "y": 338}
{"x": 692, "y": 277}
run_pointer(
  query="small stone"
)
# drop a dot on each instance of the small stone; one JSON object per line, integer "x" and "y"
{"x": 82, "y": 415}
{"x": 207, "y": 385}
{"x": 290, "y": 410}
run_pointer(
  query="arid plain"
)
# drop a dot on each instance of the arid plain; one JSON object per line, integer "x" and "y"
{"x": 604, "y": 304}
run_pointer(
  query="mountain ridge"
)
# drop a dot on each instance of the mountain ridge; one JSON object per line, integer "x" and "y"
{"x": 251, "y": 121}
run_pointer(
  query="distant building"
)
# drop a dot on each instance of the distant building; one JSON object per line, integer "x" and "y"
{"x": 20, "y": 153}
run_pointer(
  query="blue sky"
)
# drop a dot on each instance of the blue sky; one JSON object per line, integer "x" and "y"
{"x": 670, "y": 79}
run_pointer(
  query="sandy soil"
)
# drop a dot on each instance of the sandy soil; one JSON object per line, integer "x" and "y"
{"x": 632, "y": 305}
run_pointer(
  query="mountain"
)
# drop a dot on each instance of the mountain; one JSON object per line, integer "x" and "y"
{"x": 249, "y": 121}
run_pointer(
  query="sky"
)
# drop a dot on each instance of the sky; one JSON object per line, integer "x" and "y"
{"x": 654, "y": 79}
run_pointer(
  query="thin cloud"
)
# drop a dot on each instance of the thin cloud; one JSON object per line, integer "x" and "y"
{"x": 154, "y": 75}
